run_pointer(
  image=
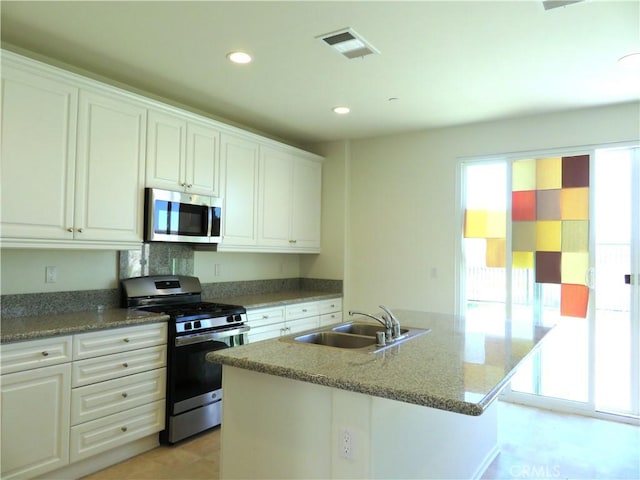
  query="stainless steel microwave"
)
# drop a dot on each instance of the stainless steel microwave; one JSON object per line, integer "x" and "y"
{"x": 181, "y": 217}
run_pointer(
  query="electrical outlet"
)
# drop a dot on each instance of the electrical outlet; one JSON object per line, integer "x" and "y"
{"x": 216, "y": 270}
{"x": 50, "y": 274}
{"x": 346, "y": 443}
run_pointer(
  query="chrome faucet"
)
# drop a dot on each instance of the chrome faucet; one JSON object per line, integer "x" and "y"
{"x": 388, "y": 319}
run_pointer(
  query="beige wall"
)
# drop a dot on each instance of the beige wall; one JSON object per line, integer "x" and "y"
{"x": 403, "y": 225}
{"x": 23, "y": 271}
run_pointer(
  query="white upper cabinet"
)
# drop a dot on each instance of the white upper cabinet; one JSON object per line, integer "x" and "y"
{"x": 240, "y": 163}
{"x": 39, "y": 119}
{"x": 290, "y": 198}
{"x": 109, "y": 196}
{"x": 78, "y": 154}
{"x": 272, "y": 198}
{"x": 182, "y": 154}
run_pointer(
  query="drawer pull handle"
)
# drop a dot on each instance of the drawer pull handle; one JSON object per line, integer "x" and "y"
{"x": 124, "y": 395}
{"x": 265, "y": 317}
{"x": 45, "y": 354}
{"x": 304, "y": 310}
{"x": 124, "y": 429}
{"x": 125, "y": 340}
{"x": 125, "y": 364}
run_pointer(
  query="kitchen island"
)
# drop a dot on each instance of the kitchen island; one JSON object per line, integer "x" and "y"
{"x": 421, "y": 409}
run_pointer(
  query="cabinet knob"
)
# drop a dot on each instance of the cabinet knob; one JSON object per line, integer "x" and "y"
{"x": 304, "y": 310}
{"x": 125, "y": 364}
{"x": 81, "y": 230}
{"x": 70, "y": 229}
{"x": 124, "y": 395}
{"x": 125, "y": 340}
{"x": 45, "y": 354}
{"x": 124, "y": 429}
{"x": 189, "y": 185}
{"x": 264, "y": 317}
{"x": 292, "y": 241}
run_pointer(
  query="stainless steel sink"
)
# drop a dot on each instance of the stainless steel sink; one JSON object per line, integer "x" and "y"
{"x": 359, "y": 337}
{"x": 363, "y": 329}
{"x": 334, "y": 339}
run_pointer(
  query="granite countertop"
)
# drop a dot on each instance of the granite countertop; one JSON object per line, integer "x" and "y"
{"x": 456, "y": 367}
{"x": 16, "y": 329}
{"x": 31, "y": 328}
{"x": 264, "y": 300}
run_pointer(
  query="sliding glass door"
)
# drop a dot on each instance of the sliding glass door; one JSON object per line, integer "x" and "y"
{"x": 566, "y": 252}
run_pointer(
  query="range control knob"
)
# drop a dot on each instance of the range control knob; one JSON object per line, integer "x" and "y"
{"x": 230, "y": 319}
{"x": 238, "y": 318}
{"x": 197, "y": 324}
{"x": 187, "y": 326}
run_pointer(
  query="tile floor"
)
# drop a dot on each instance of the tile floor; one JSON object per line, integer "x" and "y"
{"x": 534, "y": 444}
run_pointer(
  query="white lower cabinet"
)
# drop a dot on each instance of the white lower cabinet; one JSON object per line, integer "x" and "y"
{"x": 273, "y": 322}
{"x": 330, "y": 311}
{"x": 100, "y": 435}
{"x": 35, "y": 396}
{"x": 118, "y": 394}
{"x": 35, "y": 421}
{"x": 68, "y": 398}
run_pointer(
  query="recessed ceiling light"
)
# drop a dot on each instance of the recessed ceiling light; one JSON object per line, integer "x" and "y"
{"x": 341, "y": 110}
{"x": 239, "y": 57}
{"x": 631, "y": 61}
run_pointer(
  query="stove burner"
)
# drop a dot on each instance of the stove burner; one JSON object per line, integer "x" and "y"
{"x": 178, "y": 311}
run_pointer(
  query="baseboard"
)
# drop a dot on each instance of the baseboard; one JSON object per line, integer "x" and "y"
{"x": 99, "y": 462}
{"x": 488, "y": 460}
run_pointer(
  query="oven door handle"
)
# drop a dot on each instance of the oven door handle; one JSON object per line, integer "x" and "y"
{"x": 210, "y": 336}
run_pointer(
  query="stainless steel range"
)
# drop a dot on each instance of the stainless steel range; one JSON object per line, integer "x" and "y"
{"x": 194, "y": 386}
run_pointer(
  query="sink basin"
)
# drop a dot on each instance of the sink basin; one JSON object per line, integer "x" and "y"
{"x": 357, "y": 337}
{"x": 334, "y": 339}
{"x": 363, "y": 329}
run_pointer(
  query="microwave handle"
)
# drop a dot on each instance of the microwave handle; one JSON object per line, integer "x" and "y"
{"x": 209, "y": 220}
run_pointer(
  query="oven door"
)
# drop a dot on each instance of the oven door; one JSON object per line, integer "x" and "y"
{"x": 194, "y": 381}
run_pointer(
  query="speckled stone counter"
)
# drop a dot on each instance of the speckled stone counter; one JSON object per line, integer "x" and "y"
{"x": 458, "y": 367}
{"x": 274, "y": 299}
{"x": 40, "y": 326}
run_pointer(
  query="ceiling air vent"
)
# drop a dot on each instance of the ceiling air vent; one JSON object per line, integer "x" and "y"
{"x": 348, "y": 43}
{"x": 550, "y": 4}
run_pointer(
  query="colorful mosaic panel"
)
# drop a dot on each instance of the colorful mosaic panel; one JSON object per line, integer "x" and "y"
{"x": 550, "y": 225}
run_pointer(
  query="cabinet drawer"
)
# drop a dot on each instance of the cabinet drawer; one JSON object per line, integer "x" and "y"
{"x": 329, "y": 306}
{"x": 266, "y": 332}
{"x": 330, "y": 318}
{"x": 99, "y": 369}
{"x": 302, "y": 324}
{"x": 16, "y": 357}
{"x": 105, "y": 398}
{"x": 87, "y": 345}
{"x": 302, "y": 310}
{"x": 265, "y": 316}
{"x": 100, "y": 435}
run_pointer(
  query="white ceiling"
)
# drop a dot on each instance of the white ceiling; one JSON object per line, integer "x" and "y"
{"x": 447, "y": 63}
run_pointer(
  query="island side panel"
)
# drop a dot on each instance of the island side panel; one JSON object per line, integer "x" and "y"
{"x": 430, "y": 443}
{"x": 273, "y": 427}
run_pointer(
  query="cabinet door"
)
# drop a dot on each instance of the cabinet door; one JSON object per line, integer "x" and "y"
{"x": 202, "y": 160}
{"x": 110, "y": 169}
{"x": 35, "y": 421}
{"x": 38, "y": 155}
{"x": 276, "y": 180}
{"x": 240, "y": 166}
{"x": 306, "y": 205}
{"x": 166, "y": 137}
